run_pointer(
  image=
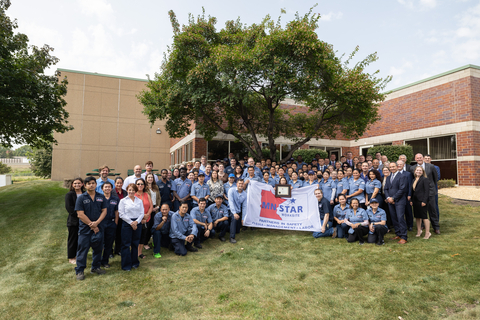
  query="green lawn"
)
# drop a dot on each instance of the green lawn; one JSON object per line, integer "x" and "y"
{"x": 267, "y": 275}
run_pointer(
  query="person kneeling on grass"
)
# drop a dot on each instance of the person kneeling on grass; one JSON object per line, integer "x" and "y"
{"x": 183, "y": 231}
{"x": 357, "y": 219}
{"x": 219, "y": 213}
{"x": 91, "y": 208}
{"x": 326, "y": 216}
{"x": 378, "y": 223}
{"x": 161, "y": 230}
{"x": 203, "y": 220}
{"x": 339, "y": 214}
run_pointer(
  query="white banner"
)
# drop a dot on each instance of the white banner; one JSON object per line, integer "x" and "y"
{"x": 264, "y": 210}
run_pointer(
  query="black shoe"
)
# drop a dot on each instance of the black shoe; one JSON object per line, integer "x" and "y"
{"x": 192, "y": 249}
{"x": 380, "y": 243}
{"x": 80, "y": 276}
{"x": 106, "y": 265}
{"x": 361, "y": 242}
{"x": 198, "y": 245}
{"x": 244, "y": 228}
{"x": 222, "y": 239}
{"x": 98, "y": 271}
{"x": 111, "y": 256}
{"x": 232, "y": 240}
{"x": 410, "y": 229}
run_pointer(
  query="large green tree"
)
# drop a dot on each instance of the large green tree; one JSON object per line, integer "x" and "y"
{"x": 233, "y": 81}
{"x": 31, "y": 102}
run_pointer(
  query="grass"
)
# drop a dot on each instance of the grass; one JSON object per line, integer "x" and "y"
{"x": 268, "y": 274}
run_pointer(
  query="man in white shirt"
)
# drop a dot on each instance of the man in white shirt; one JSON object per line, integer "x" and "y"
{"x": 137, "y": 174}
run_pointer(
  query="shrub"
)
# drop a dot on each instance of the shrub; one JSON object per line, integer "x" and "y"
{"x": 4, "y": 168}
{"x": 446, "y": 183}
{"x": 41, "y": 162}
{"x": 393, "y": 152}
{"x": 309, "y": 154}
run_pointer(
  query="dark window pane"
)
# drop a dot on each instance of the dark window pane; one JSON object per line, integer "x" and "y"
{"x": 238, "y": 149}
{"x": 217, "y": 150}
{"x": 419, "y": 146}
{"x": 448, "y": 169}
{"x": 443, "y": 148}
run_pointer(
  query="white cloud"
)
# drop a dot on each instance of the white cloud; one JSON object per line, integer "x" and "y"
{"x": 465, "y": 40}
{"x": 418, "y": 5}
{"x": 397, "y": 71}
{"x": 331, "y": 16}
{"x": 99, "y": 8}
{"x": 429, "y": 3}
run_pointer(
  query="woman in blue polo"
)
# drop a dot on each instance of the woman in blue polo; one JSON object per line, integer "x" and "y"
{"x": 357, "y": 186}
{"x": 340, "y": 216}
{"x": 357, "y": 219}
{"x": 295, "y": 182}
{"x": 267, "y": 180}
{"x": 373, "y": 186}
{"x": 341, "y": 185}
{"x": 378, "y": 223}
{"x": 328, "y": 187}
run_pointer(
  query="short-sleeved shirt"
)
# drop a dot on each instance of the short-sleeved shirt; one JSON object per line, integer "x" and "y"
{"x": 203, "y": 217}
{"x": 226, "y": 187}
{"x": 355, "y": 186}
{"x": 112, "y": 206}
{"x": 218, "y": 213}
{"x": 371, "y": 185}
{"x": 165, "y": 189}
{"x": 341, "y": 185}
{"x": 297, "y": 184}
{"x": 340, "y": 213}
{"x": 359, "y": 216}
{"x": 306, "y": 183}
{"x": 100, "y": 183}
{"x": 91, "y": 208}
{"x": 182, "y": 187}
{"x": 324, "y": 208}
{"x": 328, "y": 188}
{"x": 270, "y": 182}
{"x": 165, "y": 229}
{"x": 200, "y": 191}
{"x": 378, "y": 216}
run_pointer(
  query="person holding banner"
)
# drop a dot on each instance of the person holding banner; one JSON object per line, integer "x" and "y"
{"x": 326, "y": 217}
{"x": 237, "y": 200}
{"x": 311, "y": 180}
{"x": 357, "y": 219}
{"x": 378, "y": 223}
{"x": 295, "y": 182}
{"x": 340, "y": 216}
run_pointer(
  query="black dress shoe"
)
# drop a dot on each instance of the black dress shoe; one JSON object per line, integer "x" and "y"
{"x": 199, "y": 246}
{"x": 222, "y": 239}
{"x": 410, "y": 229}
{"x": 192, "y": 249}
{"x": 437, "y": 231}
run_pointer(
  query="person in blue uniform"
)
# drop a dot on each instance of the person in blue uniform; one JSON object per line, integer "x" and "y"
{"x": 295, "y": 182}
{"x": 357, "y": 186}
{"x": 237, "y": 201}
{"x": 91, "y": 208}
{"x": 281, "y": 174}
{"x": 357, "y": 219}
{"x": 267, "y": 180}
{"x": 161, "y": 230}
{"x": 181, "y": 188}
{"x": 103, "y": 171}
{"x": 109, "y": 223}
{"x": 183, "y": 231}
{"x": 328, "y": 188}
{"x": 378, "y": 223}
{"x": 251, "y": 177}
{"x": 311, "y": 180}
{"x": 165, "y": 188}
{"x": 203, "y": 220}
{"x": 373, "y": 187}
{"x": 341, "y": 185}
{"x": 231, "y": 167}
{"x": 220, "y": 214}
{"x": 227, "y": 185}
{"x": 326, "y": 217}
{"x": 199, "y": 190}
{"x": 340, "y": 216}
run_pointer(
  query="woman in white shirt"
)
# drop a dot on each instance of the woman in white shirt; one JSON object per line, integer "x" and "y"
{"x": 131, "y": 212}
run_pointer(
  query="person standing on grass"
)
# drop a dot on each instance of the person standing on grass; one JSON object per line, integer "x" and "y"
{"x": 143, "y": 195}
{"x": 152, "y": 189}
{"x": 76, "y": 189}
{"x": 137, "y": 174}
{"x": 161, "y": 230}
{"x": 165, "y": 188}
{"x": 91, "y": 208}
{"x": 149, "y": 170}
{"x": 428, "y": 159}
{"x": 120, "y": 194}
{"x": 326, "y": 216}
{"x": 131, "y": 211}
{"x": 396, "y": 190}
{"x": 181, "y": 188}
{"x": 420, "y": 195}
{"x": 109, "y": 223}
{"x": 199, "y": 190}
{"x": 183, "y": 231}
{"x": 237, "y": 201}
{"x": 103, "y": 171}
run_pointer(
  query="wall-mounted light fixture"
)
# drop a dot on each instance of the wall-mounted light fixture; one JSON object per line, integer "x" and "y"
{"x": 159, "y": 131}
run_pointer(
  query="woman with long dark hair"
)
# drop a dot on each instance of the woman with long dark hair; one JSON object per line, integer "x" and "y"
{"x": 148, "y": 207}
{"x": 76, "y": 189}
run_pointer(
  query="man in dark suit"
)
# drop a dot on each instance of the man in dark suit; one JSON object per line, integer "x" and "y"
{"x": 405, "y": 168}
{"x": 431, "y": 173}
{"x": 396, "y": 194}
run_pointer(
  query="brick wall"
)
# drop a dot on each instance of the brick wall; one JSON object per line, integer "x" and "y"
{"x": 468, "y": 173}
{"x": 468, "y": 143}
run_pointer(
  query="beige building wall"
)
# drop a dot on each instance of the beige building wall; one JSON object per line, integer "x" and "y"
{"x": 109, "y": 128}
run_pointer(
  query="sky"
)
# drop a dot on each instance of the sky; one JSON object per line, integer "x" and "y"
{"x": 414, "y": 39}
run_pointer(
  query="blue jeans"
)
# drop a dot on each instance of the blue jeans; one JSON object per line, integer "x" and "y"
{"x": 86, "y": 239}
{"x": 160, "y": 240}
{"x": 342, "y": 230}
{"x": 328, "y": 231}
{"x": 130, "y": 242}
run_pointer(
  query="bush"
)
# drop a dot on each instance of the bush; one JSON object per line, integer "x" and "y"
{"x": 309, "y": 154}
{"x": 41, "y": 162}
{"x": 393, "y": 152}
{"x": 4, "y": 168}
{"x": 446, "y": 183}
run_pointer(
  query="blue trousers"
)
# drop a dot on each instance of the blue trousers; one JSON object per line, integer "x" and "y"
{"x": 201, "y": 237}
{"x": 409, "y": 215}
{"x": 160, "y": 240}
{"x": 109, "y": 234}
{"x": 235, "y": 226}
{"x": 342, "y": 230}
{"x": 130, "y": 242}
{"x": 222, "y": 227}
{"x": 180, "y": 247}
{"x": 397, "y": 212}
{"x": 86, "y": 239}
{"x": 328, "y": 231}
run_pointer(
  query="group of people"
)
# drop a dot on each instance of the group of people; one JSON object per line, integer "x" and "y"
{"x": 184, "y": 207}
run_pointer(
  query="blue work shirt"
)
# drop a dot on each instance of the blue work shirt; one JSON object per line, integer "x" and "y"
{"x": 112, "y": 206}
{"x": 341, "y": 185}
{"x": 371, "y": 185}
{"x": 165, "y": 229}
{"x": 355, "y": 186}
{"x": 182, "y": 227}
{"x": 200, "y": 191}
{"x": 306, "y": 183}
{"x": 182, "y": 187}
{"x": 257, "y": 172}
{"x": 358, "y": 217}
{"x": 277, "y": 179}
{"x": 100, "y": 183}
{"x": 203, "y": 217}
{"x": 237, "y": 201}
{"x": 365, "y": 178}
{"x": 328, "y": 188}
{"x": 91, "y": 208}
{"x": 255, "y": 178}
{"x": 165, "y": 189}
{"x": 270, "y": 182}
{"x": 378, "y": 216}
{"x": 297, "y": 184}
{"x": 226, "y": 187}
{"x": 324, "y": 208}
{"x": 229, "y": 170}
{"x": 340, "y": 213}
{"x": 218, "y": 213}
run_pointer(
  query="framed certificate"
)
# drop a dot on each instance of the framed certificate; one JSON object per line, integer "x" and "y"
{"x": 283, "y": 191}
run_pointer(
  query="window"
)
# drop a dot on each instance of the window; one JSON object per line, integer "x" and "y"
{"x": 316, "y": 147}
{"x": 188, "y": 151}
{"x": 419, "y": 146}
{"x": 179, "y": 155}
{"x": 172, "y": 158}
{"x": 238, "y": 150}
{"x": 443, "y": 148}
{"x": 217, "y": 150}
